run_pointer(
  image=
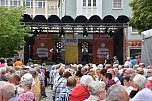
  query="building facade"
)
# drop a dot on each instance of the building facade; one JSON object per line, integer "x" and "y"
{"x": 34, "y": 7}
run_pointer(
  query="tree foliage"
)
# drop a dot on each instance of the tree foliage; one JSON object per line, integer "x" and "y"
{"x": 141, "y": 18}
{"x": 12, "y": 33}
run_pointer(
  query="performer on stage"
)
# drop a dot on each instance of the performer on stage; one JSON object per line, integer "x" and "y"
{"x": 85, "y": 55}
{"x": 108, "y": 60}
{"x": 54, "y": 52}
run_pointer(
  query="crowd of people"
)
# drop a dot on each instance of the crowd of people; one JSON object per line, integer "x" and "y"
{"x": 76, "y": 82}
{"x": 20, "y": 82}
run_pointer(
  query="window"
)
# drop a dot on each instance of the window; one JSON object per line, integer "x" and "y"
{"x": 52, "y": 7}
{"x": 89, "y": 2}
{"x": 84, "y": 2}
{"x": 28, "y": 3}
{"x": 15, "y": 3}
{"x": 4, "y": 3}
{"x": 55, "y": 7}
{"x": 94, "y": 2}
{"x": 117, "y": 4}
{"x": 135, "y": 52}
{"x": 40, "y": 3}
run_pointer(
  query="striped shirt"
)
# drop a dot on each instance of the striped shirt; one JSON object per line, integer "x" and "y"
{"x": 64, "y": 95}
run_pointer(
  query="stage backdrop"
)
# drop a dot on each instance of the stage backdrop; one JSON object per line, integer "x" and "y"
{"x": 43, "y": 43}
{"x": 102, "y": 46}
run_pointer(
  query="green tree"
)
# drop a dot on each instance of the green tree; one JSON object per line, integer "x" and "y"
{"x": 12, "y": 33}
{"x": 141, "y": 18}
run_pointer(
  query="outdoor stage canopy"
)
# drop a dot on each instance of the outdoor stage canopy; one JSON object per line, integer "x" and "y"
{"x": 69, "y": 24}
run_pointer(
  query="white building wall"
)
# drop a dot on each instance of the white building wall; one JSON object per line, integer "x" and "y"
{"x": 88, "y": 11}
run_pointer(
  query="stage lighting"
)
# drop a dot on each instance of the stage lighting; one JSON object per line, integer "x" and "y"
{"x": 110, "y": 34}
{"x": 59, "y": 45}
{"x": 62, "y": 34}
{"x": 85, "y": 33}
{"x": 36, "y": 33}
{"x": 106, "y": 30}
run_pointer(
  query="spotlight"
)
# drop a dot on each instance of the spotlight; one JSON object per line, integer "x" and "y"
{"x": 62, "y": 34}
{"x": 85, "y": 33}
{"x": 85, "y": 45}
{"x": 110, "y": 34}
{"x": 36, "y": 33}
{"x": 106, "y": 30}
{"x": 59, "y": 45}
{"x": 40, "y": 30}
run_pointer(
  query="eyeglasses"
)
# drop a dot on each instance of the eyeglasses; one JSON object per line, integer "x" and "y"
{"x": 126, "y": 73}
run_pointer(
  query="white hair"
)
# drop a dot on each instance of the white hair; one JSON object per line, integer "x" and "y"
{"x": 3, "y": 70}
{"x": 115, "y": 65}
{"x": 136, "y": 66}
{"x": 128, "y": 58}
{"x": 140, "y": 80}
{"x": 115, "y": 92}
{"x": 100, "y": 66}
{"x": 28, "y": 77}
{"x": 27, "y": 83}
{"x": 86, "y": 80}
{"x": 8, "y": 90}
{"x": 95, "y": 87}
{"x": 53, "y": 67}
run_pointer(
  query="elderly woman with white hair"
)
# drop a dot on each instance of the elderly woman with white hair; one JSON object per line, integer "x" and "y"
{"x": 117, "y": 93}
{"x": 3, "y": 74}
{"x": 81, "y": 92}
{"x": 97, "y": 91}
{"x": 26, "y": 84}
{"x": 144, "y": 93}
{"x": 7, "y": 91}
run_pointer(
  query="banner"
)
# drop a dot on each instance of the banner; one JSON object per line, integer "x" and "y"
{"x": 42, "y": 46}
{"x": 71, "y": 54}
{"x": 102, "y": 46}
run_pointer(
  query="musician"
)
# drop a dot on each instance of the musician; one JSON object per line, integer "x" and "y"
{"x": 85, "y": 55}
{"x": 54, "y": 52}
